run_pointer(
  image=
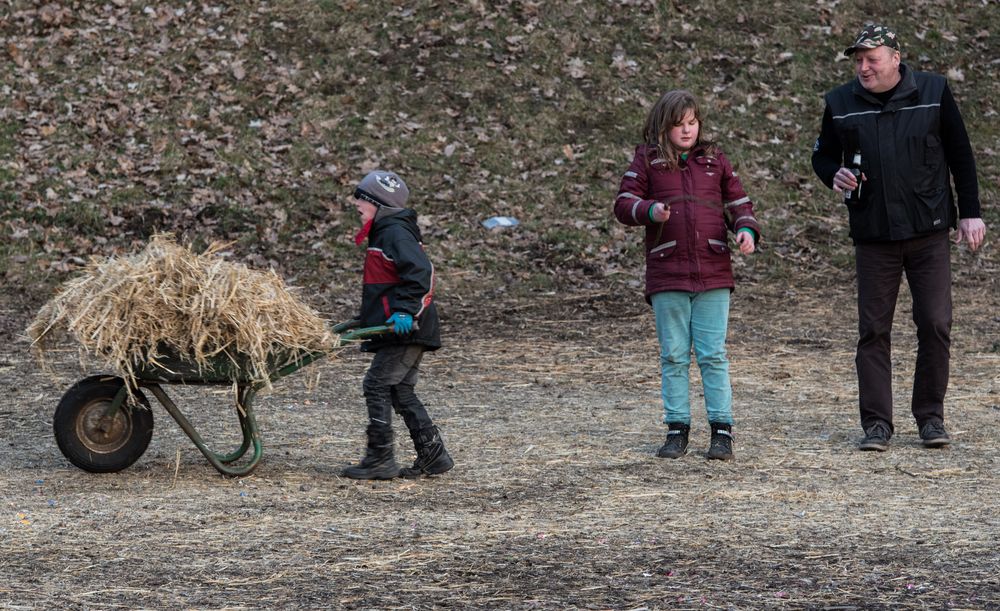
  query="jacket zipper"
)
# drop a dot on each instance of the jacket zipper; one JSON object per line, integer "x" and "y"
{"x": 688, "y": 180}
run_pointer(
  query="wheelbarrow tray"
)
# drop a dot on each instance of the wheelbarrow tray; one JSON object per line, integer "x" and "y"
{"x": 170, "y": 367}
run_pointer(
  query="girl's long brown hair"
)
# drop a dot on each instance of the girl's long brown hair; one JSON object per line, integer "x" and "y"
{"x": 669, "y": 111}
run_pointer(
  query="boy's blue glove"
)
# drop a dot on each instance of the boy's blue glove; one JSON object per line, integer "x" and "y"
{"x": 401, "y": 323}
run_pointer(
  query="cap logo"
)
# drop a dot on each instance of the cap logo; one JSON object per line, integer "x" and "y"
{"x": 389, "y": 183}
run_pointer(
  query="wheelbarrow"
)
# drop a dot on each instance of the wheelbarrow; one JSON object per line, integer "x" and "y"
{"x": 102, "y": 425}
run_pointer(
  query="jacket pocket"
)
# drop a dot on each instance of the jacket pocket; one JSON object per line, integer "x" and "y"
{"x": 926, "y": 158}
{"x": 931, "y": 213}
{"x": 662, "y": 251}
{"x": 932, "y": 151}
{"x": 719, "y": 247}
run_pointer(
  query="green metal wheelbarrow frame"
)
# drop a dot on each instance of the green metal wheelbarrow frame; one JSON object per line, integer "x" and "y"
{"x": 172, "y": 369}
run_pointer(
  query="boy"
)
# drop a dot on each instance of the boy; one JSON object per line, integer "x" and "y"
{"x": 397, "y": 291}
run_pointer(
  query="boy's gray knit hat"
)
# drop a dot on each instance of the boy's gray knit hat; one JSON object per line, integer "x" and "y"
{"x": 383, "y": 189}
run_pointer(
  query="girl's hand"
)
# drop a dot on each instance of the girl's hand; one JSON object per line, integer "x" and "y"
{"x": 746, "y": 242}
{"x": 659, "y": 213}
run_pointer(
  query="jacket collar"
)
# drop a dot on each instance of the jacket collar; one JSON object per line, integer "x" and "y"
{"x": 697, "y": 151}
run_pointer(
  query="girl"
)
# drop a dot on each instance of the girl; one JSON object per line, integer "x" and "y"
{"x": 684, "y": 191}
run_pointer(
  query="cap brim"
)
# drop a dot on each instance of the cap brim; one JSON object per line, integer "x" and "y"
{"x": 849, "y": 51}
{"x": 368, "y": 197}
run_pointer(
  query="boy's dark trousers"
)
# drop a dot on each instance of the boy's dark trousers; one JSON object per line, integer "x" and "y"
{"x": 926, "y": 261}
{"x": 388, "y": 387}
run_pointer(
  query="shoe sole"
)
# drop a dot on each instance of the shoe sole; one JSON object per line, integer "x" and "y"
{"x": 671, "y": 455}
{"x": 873, "y": 447}
{"x": 936, "y": 443}
{"x": 411, "y": 473}
{"x": 719, "y": 456}
{"x": 371, "y": 476}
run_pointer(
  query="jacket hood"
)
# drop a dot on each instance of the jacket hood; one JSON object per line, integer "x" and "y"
{"x": 397, "y": 216}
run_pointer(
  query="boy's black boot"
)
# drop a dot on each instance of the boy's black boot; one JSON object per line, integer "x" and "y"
{"x": 677, "y": 441}
{"x": 721, "y": 447}
{"x": 432, "y": 457}
{"x": 378, "y": 462}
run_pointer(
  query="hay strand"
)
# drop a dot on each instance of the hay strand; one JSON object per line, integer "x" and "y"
{"x": 167, "y": 300}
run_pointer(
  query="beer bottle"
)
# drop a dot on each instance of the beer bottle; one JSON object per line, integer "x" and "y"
{"x": 855, "y": 168}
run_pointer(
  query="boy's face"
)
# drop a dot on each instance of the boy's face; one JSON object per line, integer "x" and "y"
{"x": 366, "y": 210}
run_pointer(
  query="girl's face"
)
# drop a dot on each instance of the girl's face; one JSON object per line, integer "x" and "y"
{"x": 684, "y": 135}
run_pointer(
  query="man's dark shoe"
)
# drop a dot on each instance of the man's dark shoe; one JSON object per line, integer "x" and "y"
{"x": 876, "y": 438}
{"x": 721, "y": 447}
{"x": 934, "y": 435}
{"x": 432, "y": 457}
{"x": 677, "y": 441}
{"x": 378, "y": 462}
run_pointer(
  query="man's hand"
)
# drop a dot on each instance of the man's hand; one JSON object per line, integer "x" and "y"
{"x": 746, "y": 242}
{"x": 971, "y": 230}
{"x": 844, "y": 180}
{"x": 401, "y": 323}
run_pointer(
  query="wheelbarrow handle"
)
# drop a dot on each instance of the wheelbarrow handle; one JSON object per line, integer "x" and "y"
{"x": 346, "y": 325}
{"x": 362, "y": 333}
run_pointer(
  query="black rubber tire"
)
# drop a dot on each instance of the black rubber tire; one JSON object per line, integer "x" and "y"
{"x": 96, "y": 446}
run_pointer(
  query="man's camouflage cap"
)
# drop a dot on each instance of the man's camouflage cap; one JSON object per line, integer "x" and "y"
{"x": 874, "y": 35}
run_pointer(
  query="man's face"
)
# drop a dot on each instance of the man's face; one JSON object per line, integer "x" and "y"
{"x": 366, "y": 209}
{"x": 877, "y": 69}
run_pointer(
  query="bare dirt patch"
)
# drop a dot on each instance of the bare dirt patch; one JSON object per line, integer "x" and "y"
{"x": 556, "y": 501}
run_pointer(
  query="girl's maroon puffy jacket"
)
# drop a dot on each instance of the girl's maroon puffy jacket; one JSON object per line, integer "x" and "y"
{"x": 690, "y": 252}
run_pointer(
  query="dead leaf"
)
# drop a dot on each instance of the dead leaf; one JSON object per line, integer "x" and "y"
{"x": 55, "y": 15}
{"x": 15, "y": 55}
{"x": 576, "y": 68}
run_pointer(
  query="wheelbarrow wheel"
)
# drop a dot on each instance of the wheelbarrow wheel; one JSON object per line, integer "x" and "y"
{"x": 91, "y": 439}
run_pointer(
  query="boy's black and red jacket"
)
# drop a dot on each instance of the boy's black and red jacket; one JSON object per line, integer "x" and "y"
{"x": 398, "y": 277}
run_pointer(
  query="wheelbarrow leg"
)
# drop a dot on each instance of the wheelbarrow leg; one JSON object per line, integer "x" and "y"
{"x": 248, "y": 424}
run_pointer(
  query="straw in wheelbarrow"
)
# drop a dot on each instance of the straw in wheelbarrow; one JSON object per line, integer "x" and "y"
{"x": 129, "y": 310}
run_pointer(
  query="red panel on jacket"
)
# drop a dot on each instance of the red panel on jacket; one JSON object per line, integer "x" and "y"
{"x": 379, "y": 269}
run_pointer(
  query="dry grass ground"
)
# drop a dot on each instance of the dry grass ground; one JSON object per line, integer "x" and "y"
{"x": 556, "y": 500}
{"x": 251, "y": 121}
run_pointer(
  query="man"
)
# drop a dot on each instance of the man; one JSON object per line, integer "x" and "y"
{"x": 906, "y": 133}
